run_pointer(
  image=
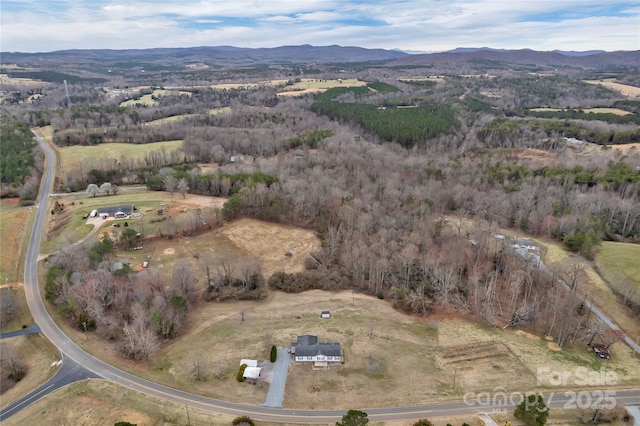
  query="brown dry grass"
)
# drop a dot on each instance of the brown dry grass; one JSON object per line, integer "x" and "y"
{"x": 270, "y": 242}
{"x": 97, "y": 402}
{"x": 37, "y": 354}
{"x": 240, "y": 239}
{"x": 623, "y": 89}
{"x": 311, "y": 85}
{"x": 13, "y": 226}
{"x": 626, "y": 148}
{"x": 405, "y": 347}
{"x": 5, "y": 80}
{"x": 616, "y": 111}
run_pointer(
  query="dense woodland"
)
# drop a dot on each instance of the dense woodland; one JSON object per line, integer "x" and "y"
{"x": 395, "y": 177}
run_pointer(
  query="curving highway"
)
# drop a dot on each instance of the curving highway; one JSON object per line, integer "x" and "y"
{"x": 79, "y": 365}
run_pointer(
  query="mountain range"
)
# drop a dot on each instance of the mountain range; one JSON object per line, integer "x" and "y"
{"x": 234, "y": 56}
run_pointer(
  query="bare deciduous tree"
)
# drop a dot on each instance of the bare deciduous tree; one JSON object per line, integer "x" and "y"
{"x": 184, "y": 281}
{"x": 93, "y": 189}
{"x": 183, "y": 187}
{"x": 170, "y": 184}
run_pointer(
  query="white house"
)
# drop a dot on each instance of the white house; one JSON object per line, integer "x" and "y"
{"x": 307, "y": 349}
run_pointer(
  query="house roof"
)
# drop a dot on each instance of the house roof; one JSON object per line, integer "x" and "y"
{"x": 308, "y": 345}
{"x": 305, "y": 340}
{"x": 115, "y": 209}
{"x": 324, "y": 348}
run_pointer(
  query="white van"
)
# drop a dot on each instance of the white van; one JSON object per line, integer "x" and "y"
{"x": 94, "y": 213}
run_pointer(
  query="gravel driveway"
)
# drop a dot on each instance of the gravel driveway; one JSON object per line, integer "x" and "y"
{"x": 278, "y": 379}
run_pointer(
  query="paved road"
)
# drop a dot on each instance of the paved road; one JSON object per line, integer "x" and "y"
{"x": 82, "y": 365}
{"x": 68, "y": 373}
{"x": 34, "y": 329}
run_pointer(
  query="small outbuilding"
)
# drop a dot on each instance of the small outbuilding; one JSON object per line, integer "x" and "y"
{"x": 249, "y": 362}
{"x": 252, "y": 374}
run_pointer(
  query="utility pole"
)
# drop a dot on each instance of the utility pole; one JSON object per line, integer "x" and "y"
{"x": 187, "y": 408}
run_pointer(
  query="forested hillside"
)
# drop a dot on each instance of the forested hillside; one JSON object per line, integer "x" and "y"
{"x": 18, "y": 172}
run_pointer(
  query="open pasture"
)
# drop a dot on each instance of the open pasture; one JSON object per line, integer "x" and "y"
{"x": 35, "y": 353}
{"x": 13, "y": 228}
{"x": 623, "y": 89}
{"x": 619, "y": 263}
{"x": 244, "y": 238}
{"x": 390, "y": 358}
{"x": 616, "y": 111}
{"x": 310, "y": 85}
{"x": 72, "y": 155}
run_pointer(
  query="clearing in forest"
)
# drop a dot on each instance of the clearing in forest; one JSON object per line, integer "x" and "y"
{"x": 73, "y": 155}
{"x": 312, "y": 85}
{"x": 279, "y": 248}
{"x": 623, "y": 89}
{"x": 619, "y": 263}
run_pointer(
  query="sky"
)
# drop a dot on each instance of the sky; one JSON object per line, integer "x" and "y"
{"x": 409, "y": 25}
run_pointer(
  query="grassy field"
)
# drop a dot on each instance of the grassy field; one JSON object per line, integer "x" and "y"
{"x": 310, "y": 85}
{"x": 37, "y": 354}
{"x": 240, "y": 86}
{"x": 619, "y": 263}
{"x": 241, "y": 239}
{"x": 616, "y": 111}
{"x": 389, "y": 356}
{"x": 623, "y": 89}
{"x": 72, "y": 155}
{"x": 147, "y": 202}
{"x": 13, "y": 228}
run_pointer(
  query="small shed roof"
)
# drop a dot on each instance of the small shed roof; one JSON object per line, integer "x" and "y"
{"x": 249, "y": 362}
{"x": 251, "y": 373}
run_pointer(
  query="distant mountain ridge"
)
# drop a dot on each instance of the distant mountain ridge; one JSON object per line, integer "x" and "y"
{"x": 461, "y": 56}
{"x": 573, "y": 53}
{"x": 230, "y": 54}
{"x": 240, "y": 56}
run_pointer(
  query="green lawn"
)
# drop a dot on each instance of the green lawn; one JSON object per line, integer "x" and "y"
{"x": 77, "y": 227}
{"x": 70, "y": 155}
{"x": 619, "y": 263}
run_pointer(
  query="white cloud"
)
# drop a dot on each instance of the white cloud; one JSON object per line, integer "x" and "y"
{"x": 427, "y": 25}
